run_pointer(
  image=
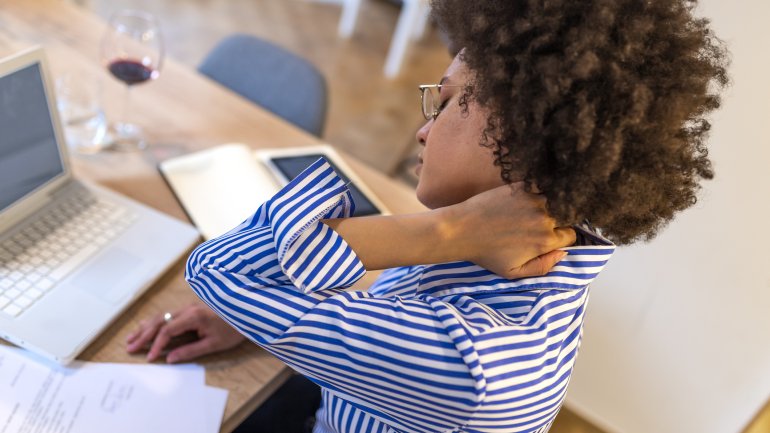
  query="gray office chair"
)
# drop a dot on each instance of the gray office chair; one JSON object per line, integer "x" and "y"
{"x": 271, "y": 77}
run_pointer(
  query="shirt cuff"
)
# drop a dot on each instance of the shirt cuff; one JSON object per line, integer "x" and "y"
{"x": 311, "y": 254}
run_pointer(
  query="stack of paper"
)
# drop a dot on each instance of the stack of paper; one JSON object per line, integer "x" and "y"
{"x": 85, "y": 397}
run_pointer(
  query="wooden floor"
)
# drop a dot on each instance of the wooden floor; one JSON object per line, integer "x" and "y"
{"x": 370, "y": 116}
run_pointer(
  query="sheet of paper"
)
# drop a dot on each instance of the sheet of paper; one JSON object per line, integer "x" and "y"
{"x": 215, "y": 400}
{"x": 92, "y": 397}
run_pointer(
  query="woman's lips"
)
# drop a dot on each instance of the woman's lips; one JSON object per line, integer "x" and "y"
{"x": 418, "y": 167}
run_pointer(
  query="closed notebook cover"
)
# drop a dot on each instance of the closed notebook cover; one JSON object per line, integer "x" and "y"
{"x": 220, "y": 187}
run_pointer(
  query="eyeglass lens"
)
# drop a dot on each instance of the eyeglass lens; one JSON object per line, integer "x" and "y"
{"x": 428, "y": 103}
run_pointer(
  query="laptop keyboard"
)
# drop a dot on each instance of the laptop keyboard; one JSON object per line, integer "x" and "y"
{"x": 57, "y": 243}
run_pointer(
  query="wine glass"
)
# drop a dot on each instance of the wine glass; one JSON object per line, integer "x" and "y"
{"x": 132, "y": 50}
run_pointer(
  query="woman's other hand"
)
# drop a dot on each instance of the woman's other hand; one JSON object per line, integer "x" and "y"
{"x": 214, "y": 335}
{"x": 508, "y": 231}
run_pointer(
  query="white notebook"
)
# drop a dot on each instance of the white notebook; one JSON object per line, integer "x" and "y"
{"x": 220, "y": 187}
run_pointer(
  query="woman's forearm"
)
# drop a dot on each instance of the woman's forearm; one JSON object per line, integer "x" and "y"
{"x": 382, "y": 242}
{"x": 505, "y": 230}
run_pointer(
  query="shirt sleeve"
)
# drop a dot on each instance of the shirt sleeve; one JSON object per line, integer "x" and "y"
{"x": 278, "y": 279}
{"x": 300, "y": 250}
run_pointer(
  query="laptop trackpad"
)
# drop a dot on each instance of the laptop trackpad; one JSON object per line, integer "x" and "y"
{"x": 106, "y": 276}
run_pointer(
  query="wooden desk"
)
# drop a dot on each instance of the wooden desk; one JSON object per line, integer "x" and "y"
{"x": 180, "y": 112}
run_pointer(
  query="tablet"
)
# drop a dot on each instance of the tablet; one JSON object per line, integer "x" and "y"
{"x": 286, "y": 164}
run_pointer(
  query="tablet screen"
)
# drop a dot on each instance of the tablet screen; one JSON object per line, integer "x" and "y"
{"x": 292, "y": 166}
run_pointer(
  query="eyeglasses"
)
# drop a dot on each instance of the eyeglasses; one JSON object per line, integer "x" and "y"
{"x": 431, "y": 99}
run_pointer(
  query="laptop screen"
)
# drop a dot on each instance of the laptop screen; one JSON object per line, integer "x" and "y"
{"x": 29, "y": 154}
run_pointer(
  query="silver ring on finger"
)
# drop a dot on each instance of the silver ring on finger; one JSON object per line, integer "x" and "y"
{"x": 168, "y": 317}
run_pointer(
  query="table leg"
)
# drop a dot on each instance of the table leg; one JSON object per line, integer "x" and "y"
{"x": 349, "y": 15}
{"x": 422, "y": 20}
{"x": 406, "y": 21}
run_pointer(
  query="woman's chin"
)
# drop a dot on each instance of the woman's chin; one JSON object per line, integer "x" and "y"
{"x": 422, "y": 197}
{"x": 429, "y": 198}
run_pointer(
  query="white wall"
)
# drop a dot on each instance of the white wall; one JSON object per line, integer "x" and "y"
{"x": 677, "y": 337}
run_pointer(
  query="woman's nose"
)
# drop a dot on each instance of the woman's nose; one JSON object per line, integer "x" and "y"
{"x": 422, "y": 133}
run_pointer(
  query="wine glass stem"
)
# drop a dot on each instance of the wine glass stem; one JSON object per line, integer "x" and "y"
{"x": 126, "y": 99}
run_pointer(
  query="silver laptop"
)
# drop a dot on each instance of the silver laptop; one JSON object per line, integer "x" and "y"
{"x": 73, "y": 255}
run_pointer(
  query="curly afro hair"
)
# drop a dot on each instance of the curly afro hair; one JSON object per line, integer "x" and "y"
{"x": 600, "y": 104}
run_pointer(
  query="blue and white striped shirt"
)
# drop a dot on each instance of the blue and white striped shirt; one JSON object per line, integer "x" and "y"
{"x": 434, "y": 348}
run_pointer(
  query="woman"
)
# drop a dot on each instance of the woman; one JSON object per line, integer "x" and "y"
{"x": 554, "y": 114}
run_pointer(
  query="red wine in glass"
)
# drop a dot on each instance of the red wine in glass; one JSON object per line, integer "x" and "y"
{"x": 130, "y": 71}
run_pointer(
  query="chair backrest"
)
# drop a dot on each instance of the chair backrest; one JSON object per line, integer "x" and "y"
{"x": 271, "y": 77}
